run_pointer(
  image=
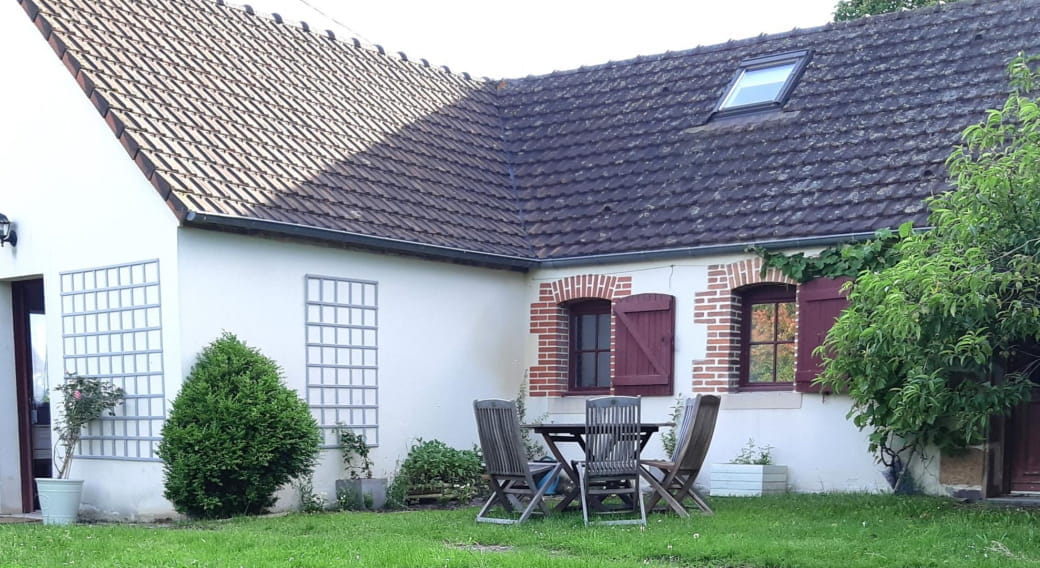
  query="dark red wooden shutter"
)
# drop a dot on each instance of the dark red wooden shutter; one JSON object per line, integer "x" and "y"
{"x": 820, "y": 302}
{"x": 644, "y": 344}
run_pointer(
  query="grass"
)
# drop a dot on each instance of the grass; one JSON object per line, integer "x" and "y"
{"x": 847, "y": 531}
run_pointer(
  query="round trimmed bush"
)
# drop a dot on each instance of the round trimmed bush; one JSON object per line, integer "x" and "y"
{"x": 235, "y": 434}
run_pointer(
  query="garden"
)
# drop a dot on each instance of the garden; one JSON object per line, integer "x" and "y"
{"x": 848, "y": 530}
{"x": 430, "y": 514}
{"x": 915, "y": 352}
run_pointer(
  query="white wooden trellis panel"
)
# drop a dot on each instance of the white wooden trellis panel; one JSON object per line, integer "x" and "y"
{"x": 112, "y": 329}
{"x": 343, "y": 356}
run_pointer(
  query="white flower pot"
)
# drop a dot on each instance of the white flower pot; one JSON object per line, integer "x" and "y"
{"x": 59, "y": 499}
{"x": 734, "y": 479}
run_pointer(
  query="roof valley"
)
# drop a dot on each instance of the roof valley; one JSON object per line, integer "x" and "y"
{"x": 231, "y": 114}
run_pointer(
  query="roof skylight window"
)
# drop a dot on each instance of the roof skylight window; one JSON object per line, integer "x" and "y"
{"x": 763, "y": 83}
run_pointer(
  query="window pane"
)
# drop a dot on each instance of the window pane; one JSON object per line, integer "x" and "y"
{"x": 603, "y": 374}
{"x": 587, "y": 370}
{"x": 758, "y": 86}
{"x": 762, "y": 322}
{"x": 785, "y": 363}
{"x": 760, "y": 364}
{"x": 787, "y": 324}
{"x": 603, "y": 341}
{"x": 587, "y": 332}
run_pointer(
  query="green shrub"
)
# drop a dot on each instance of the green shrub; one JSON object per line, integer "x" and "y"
{"x": 670, "y": 437}
{"x": 235, "y": 434}
{"x": 310, "y": 502}
{"x": 433, "y": 467}
{"x": 396, "y": 493}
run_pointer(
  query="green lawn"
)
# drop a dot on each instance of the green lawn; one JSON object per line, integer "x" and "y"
{"x": 829, "y": 531}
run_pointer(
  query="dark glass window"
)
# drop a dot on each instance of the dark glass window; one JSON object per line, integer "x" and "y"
{"x": 590, "y": 345}
{"x": 758, "y": 86}
{"x": 763, "y": 83}
{"x": 768, "y": 328}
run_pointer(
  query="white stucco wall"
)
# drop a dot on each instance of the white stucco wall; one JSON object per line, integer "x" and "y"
{"x": 10, "y": 475}
{"x": 447, "y": 334}
{"x": 823, "y": 450}
{"x": 77, "y": 202}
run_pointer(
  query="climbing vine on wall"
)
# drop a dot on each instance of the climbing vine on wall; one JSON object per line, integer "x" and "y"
{"x": 847, "y": 259}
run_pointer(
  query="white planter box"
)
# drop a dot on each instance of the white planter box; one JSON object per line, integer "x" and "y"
{"x": 368, "y": 493}
{"x": 732, "y": 479}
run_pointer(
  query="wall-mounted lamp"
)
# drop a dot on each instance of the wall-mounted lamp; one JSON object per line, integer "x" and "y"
{"x": 7, "y": 234}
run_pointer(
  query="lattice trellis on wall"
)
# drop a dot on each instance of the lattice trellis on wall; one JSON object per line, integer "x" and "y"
{"x": 342, "y": 356}
{"x": 112, "y": 329}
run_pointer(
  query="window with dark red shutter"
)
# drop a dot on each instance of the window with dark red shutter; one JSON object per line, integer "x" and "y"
{"x": 820, "y": 302}
{"x": 644, "y": 345}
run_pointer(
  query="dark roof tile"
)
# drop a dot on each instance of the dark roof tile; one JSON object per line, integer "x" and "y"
{"x": 237, "y": 114}
{"x": 863, "y": 115}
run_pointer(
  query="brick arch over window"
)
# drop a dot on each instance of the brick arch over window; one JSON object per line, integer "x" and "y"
{"x": 549, "y": 322}
{"x": 719, "y": 309}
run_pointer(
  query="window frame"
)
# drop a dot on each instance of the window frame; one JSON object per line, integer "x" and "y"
{"x": 759, "y": 295}
{"x": 799, "y": 58}
{"x": 575, "y": 310}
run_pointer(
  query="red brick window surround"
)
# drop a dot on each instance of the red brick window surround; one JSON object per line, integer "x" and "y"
{"x": 550, "y": 323}
{"x": 719, "y": 308}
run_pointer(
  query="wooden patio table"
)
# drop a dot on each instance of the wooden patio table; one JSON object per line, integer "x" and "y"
{"x": 574, "y": 432}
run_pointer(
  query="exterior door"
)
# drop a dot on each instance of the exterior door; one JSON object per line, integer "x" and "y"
{"x": 34, "y": 429}
{"x": 1023, "y": 432}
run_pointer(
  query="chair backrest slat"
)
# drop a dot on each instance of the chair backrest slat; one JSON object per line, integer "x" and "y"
{"x": 692, "y": 446}
{"x": 498, "y": 426}
{"x": 685, "y": 423}
{"x": 612, "y": 435}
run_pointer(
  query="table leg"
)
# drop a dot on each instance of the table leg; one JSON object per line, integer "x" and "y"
{"x": 551, "y": 443}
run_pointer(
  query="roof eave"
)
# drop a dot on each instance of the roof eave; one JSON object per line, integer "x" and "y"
{"x": 705, "y": 250}
{"x": 213, "y": 221}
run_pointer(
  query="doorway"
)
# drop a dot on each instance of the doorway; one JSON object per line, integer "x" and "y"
{"x": 1023, "y": 447}
{"x": 32, "y": 387}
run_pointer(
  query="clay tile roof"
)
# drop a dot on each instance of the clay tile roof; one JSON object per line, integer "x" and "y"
{"x": 624, "y": 157}
{"x": 248, "y": 121}
{"x": 243, "y": 116}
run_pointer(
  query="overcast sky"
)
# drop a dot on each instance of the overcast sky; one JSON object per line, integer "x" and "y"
{"x": 512, "y": 39}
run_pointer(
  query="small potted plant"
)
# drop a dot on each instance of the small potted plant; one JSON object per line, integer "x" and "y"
{"x": 751, "y": 472}
{"x": 360, "y": 490}
{"x": 84, "y": 399}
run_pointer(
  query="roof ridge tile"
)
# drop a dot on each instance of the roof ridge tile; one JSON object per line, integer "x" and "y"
{"x": 741, "y": 42}
{"x": 355, "y": 41}
{"x": 228, "y": 112}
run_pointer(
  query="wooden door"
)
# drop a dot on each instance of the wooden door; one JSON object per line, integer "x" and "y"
{"x": 1024, "y": 446}
{"x": 33, "y": 433}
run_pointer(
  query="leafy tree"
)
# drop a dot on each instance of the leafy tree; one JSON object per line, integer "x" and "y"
{"x": 235, "y": 434}
{"x": 933, "y": 346}
{"x": 851, "y": 9}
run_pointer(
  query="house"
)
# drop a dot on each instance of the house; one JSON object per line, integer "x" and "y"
{"x": 403, "y": 239}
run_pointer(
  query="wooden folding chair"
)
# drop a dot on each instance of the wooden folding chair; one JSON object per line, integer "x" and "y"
{"x": 691, "y": 446}
{"x": 611, "y": 466}
{"x": 510, "y": 475}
